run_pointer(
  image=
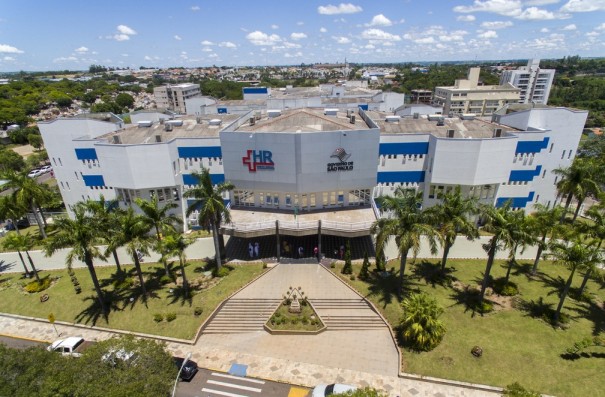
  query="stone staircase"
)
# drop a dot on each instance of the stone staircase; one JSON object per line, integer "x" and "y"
{"x": 242, "y": 315}
{"x": 347, "y": 314}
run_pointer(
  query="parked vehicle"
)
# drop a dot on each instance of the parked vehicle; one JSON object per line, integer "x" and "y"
{"x": 189, "y": 370}
{"x": 72, "y": 346}
{"x": 21, "y": 223}
{"x": 324, "y": 390}
{"x": 45, "y": 169}
{"x": 34, "y": 173}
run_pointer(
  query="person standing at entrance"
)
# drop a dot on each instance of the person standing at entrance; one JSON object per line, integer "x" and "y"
{"x": 256, "y": 250}
{"x": 250, "y": 250}
{"x": 316, "y": 253}
{"x": 342, "y": 252}
{"x": 301, "y": 251}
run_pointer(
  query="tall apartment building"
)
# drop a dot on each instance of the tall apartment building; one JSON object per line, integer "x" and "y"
{"x": 467, "y": 96}
{"x": 173, "y": 97}
{"x": 534, "y": 83}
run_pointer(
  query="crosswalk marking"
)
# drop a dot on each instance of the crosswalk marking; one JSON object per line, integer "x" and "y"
{"x": 247, "y": 388}
{"x": 260, "y": 382}
{"x": 222, "y": 393}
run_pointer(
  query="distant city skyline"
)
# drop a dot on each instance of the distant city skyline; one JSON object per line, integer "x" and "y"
{"x": 65, "y": 34}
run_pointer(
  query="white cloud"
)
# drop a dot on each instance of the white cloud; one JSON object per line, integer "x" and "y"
{"x": 496, "y": 24}
{"x": 425, "y": 40}
{"x": 377, "y": 34}
{"x": 298, "y": 36}
{"x": 593, "y": 34}
{"x": 120, "y": 37}
{"x": 147, "y": 58}
{"x": 369, "y": 46}
{"x": 81, "y": 50}
{"x": 465, "y": 18}
{"x": 207, "y": 49}
{"x": 195, "y": 8}
{"x": 126, "y": 30}
{"x": 342, "y": 8}
{"x": 259, "y": 38}
{"x": 502, "y": 7}
{"x": 213, "y": 55}
{"x": 534, "y": 13}
{"x": 489, "y": 34}
{"x": 323, "y": 30}
{"x": 177, "y": 37}
{"x": 300, "y": 23}
{"x": 544, "y": 30}
{"x": 8, "y": 59}
{"x": 583, "y": 6}
{"x": 380, "y": 20}
{"x": 295, "y": 55}
{"x": 539, "y": 2}
{"x": 274, "y": 26}
{"x": 341, "y": 39}
{"x": 227, "y": 44}
{"x": 570, "y": 27}
{"x": 66, "y": 59}
{"x": 124, "y": 55}
{"x": 206, "y": 42}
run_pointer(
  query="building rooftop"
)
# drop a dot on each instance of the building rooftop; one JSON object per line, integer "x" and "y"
{"x": 463, "y": 128}
{"x": 304, "y": 120}
{"x": 191, "y": 127}
{"x": 504, "y": 87}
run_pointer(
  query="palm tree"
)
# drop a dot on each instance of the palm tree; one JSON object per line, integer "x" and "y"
{"x": 452, "y": 217}
{"x": 420, "y": 322}
{"x": 133, "y": 233}
{"x": 520, "y": 237}
{"x": 405, "y": 221}
{"x": 544, "y": 222}
{"x": 12, "y": 242}
{"x": 175, "y": 245}
{"x": 159, "y": 219}
{"x": 9, "y": 209}
{"x": 575, "y": 255}
{"x": 106, "y": 214}
{"x": 80, "y": 234}
{"x": 209, "y": 202}
{"x": 499, "y": 222}
{"x": 28, "y": 193}
{"x": 578, "y": 180}
{"x": 595, "y": 230}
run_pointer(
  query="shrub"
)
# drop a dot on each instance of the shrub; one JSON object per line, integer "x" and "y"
{"x": 264, "y": 265}
{"x": 158, "y": 317}
{"x": 501, "y": 287}
{"x": 123, "y": 283}
{"x": 348, "y": 267}
{"x": 78, "y": 289}
{"x": 170, "y": 317}
{"x": 166, "y": 279}
{"x": 287, "y": 302}
{"x": 35, "y": 286}
{"x": 486, "y": 307}
{"x": 71, "y": 272}
{"x": 277, "y": 314}
{"x": 198, "y": 311}
{"x": 332, "y": 264}
{"x": 364, "y": 273}
{"x": 352, "y": 278}
{"x": 222, "y": 272}
{"x": 305, "y": 320}
{"x": 294, "y": 321}
{"x": 420, "y": 325}
{"x": 516, "y": 390}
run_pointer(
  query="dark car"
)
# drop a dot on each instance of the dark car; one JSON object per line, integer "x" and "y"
{"x": 189, "y": 370}
{"x": 21, "y": 223}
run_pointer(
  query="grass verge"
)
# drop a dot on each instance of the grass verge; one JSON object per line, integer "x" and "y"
{"x": 517, "y": 344}
{"x": 128, "y": 311}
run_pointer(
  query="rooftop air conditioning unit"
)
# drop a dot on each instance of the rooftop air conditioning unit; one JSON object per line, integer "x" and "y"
{"x": 392, "y": 119}
{"x": 215, "y": 122}
{"x": 497, "y": 132}
{"x": 167, "y": 127}
{"x": 330, "y": 112}
{"x": 416, "y": 115}
{"x": 441, "y": 122}
{"x": 252, "y": 121}
{"x": 162, "y": 121}
{"x": 116, "y": 139}
{"x": 175, "y": 123}
{"x": 158, "y": 138}
{"x": 198, "y": 120}
{"x": 450, "y": 133}
{"x": 142, "y": 124}
{"x": 352, "y": 119}
{"x": 273, "y": 112}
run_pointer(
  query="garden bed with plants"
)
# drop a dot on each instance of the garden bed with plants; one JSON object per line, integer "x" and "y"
{"x": 284, "y": 321}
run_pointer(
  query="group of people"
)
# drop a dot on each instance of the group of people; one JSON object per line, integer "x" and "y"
{"x": 254, "y": 250}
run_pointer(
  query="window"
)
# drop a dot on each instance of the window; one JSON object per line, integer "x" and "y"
{"x": 556, "y": 177}
{"x": 60, "y": 162}
{"x": 552, "y": 145}
{"x": 537, "y": 197}
{"x": 432, "y": 192}
{"x": 54, "y": 161}
{"x": 569, "y": 155}
{"x": 543, "y": 174}
{"x": 325, "y": 199}
{"x": 562, "y": 154}
{"x": 289, "y": 200}
{"x": 67, "y": 183}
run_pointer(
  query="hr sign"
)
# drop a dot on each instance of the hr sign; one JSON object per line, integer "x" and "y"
{"x": 258, "y": 160}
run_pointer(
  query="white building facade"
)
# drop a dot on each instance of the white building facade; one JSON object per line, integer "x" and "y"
{"x": 534, "y": 83}
{"x": 174, "y": 96}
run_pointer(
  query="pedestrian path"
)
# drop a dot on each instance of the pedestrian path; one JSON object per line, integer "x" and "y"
{"x": 220, "y": 384}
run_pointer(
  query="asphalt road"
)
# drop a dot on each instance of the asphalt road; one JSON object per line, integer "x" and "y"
{"x": 207, "y": 383}
{"x": 18, "y": 343}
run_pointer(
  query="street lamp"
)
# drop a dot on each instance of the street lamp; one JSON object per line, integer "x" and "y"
{"x": 187, "y": 357}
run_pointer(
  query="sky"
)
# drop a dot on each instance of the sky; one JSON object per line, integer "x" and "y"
{"x": 63, "y": 34}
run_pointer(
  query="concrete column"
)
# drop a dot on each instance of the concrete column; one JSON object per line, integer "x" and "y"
{"x": 277, "y": 240}
{"x": 319, "y": 237}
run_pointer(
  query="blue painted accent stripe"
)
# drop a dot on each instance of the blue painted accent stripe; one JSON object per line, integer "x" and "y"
{"x": 189, "y": 179}
{"x": 524, "y": 175}
{"x": 93, "y": 180}
{"x": 255, "y": 90}
{"x": 401, "y": 177}
{"x": 363, "y": 107}
{"x": 517, "y": 202}
{"x": 199, "y": 152}
{"x": 532, "y": 146}
{"x": 404, "y": 148}
{"x": 221, "y": 110}
{"x": 86, "y": 154}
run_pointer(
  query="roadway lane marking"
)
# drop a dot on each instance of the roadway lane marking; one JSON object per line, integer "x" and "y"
{"x": 222, "y": 393}
{"x": 247, "y": 388}
{"x": 260, "y": 382}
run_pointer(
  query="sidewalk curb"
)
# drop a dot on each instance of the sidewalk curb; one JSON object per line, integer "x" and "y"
{"x": 24, "y": 338}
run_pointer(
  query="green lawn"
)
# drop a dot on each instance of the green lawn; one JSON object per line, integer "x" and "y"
{"x": 128, "y": 312}
{"x": 517, "y": 345}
